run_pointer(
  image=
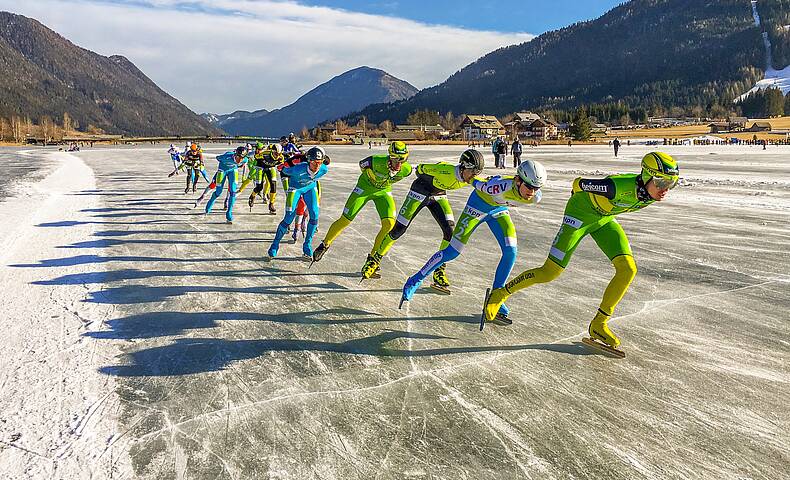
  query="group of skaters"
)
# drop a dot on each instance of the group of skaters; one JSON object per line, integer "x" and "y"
{"x": 590, "y": 210}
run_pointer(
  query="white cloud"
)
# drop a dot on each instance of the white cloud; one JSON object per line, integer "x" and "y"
{"x": 224, "y": 55}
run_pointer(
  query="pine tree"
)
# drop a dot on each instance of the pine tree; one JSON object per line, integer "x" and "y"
{"x": 581, "y": 128}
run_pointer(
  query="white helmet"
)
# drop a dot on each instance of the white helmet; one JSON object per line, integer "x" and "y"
{"x": 532, "y": 173}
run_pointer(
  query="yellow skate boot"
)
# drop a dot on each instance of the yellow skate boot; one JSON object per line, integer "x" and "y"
{"x": 601, "y": 336}
{"x": 371, "y": 267}
{"x": 440, "y": 281}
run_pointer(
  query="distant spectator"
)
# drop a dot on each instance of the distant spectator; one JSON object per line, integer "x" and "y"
{"x": 515, "y": 149}
{"x": 616, "y": 145}
{"x": 501, "y": 152}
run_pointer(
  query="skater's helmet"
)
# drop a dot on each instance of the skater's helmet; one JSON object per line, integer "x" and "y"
{"x": 399, "y": 150}
{"x": 172, "y": 146}
{"x": 532, "y": 173}
{"x": 283, "y": 139}
{"x": 276, "y": 151}
{"x": 259, "y": 145}
{"x": 473, "y": 160}
{"x": 662, "y": 168}
{"x": 315, "y": 154}
{"x": 241, "y": 151}
{"x": 193, "y": 147}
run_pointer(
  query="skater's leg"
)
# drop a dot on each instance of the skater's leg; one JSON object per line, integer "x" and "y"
{"x": 385, "y": 206}
{"x": 467, "y": 224}
{"x": 220, "y": 183}
{"x": 311, "y": 203}
{"x": 505, "y": 233}
{"x": 613, "y": 241}
{"x": 232, "y": 185}
{"x": 282, "y": 228}
{"x": 443, "y": 214}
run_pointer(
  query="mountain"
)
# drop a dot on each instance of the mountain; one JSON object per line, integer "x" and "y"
{"x": 219, "y": 120}
{"x": 346, "y": 93}
{"x": 43, "y": 74}
{"x": 647, "y": 54}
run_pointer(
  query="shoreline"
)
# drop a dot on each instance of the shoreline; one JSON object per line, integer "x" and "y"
{"x": 58, "y": 410}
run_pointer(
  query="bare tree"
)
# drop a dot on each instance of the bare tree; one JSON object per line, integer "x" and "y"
{"x": 5, "y": 129}
{"x": 17, "y": 128}
{"x": 47, "y": 128}
{"x": 67, "y": 123}
{"x": 304, "y": 133}
{"x": 386, "y": 126}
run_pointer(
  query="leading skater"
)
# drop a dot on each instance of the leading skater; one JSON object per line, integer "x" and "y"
{"x": 591, "y": 210}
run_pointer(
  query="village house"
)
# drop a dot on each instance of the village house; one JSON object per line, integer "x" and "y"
{"x": 543, "y": 129}
{"x": 760, "y": 127}
{"x": 481, "y": 127}
{"x": 521, "y": 123}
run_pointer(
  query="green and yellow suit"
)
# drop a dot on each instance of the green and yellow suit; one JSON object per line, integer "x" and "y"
{"x": 429, "y": 191}
{"x": 263, "y": 171}
{"x": 374, "y": 184}
{"x": 591, "y": 210}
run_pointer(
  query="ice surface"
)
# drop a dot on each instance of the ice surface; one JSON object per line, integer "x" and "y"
{"x": 238, "y": 368}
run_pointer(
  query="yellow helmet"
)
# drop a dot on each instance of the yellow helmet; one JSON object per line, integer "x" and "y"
{"x": 399, "y": 150}
{"x": 661, "y": 167}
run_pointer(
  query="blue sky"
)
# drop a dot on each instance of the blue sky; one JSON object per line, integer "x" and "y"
{"x": 223, "y": 55}
{"x": 533, "y": 16}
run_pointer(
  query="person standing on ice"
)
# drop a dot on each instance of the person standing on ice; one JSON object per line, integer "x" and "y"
{"x": 379, "y": 172}
{"x": 616, "y": 145}
{"x": 429, "y": 191}
{"x": 303, "y": 183}
{"x": 489, "y": 204}
{"x": 591, "y": 210}
{"x": 229, "y": 163}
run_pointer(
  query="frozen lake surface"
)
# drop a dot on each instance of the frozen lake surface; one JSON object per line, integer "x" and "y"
{"x": 215, "y": 364}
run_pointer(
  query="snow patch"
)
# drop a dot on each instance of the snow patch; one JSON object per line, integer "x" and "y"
{"x": 773, "y": 78}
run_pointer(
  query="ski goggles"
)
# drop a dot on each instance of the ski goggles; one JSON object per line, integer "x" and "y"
{"x": 665, "y": 183}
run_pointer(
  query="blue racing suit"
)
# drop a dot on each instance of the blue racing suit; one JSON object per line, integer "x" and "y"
{"x": 302, "y": 184}
{"x": 228, "y": 170}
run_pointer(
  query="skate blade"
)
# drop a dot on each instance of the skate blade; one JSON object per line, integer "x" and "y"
{"x": 483, "y": 313}
{"x": 402, "y": 299}
{"x": 441, "y": 289}
{"x": 603, "y": 347}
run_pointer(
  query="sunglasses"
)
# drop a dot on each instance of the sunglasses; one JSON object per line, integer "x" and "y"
{"x": 663, "y": 183}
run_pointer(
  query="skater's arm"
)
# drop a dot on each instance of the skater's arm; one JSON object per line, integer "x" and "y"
{"x": 366, "y": 164}
{"x": 405, "y": 171}
{"x": 603, "y": 186}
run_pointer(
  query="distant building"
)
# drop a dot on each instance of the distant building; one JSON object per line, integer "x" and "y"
{"x": 760, "y": 127}
{"x": 521, "y": 124}
{"x": 737, "y": 123}
{"x": 400, "y": 135}
{"x": 719, "y": 127}
{"x": 420, "y": 128}
{"x": 543, "y": 129}
{"x": 481, "y": 127}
